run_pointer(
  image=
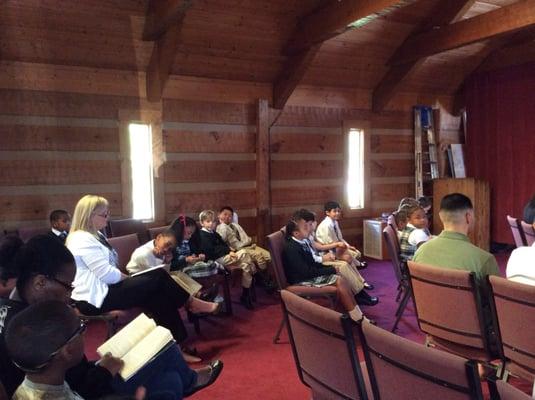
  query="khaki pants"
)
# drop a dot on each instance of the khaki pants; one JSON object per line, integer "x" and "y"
{"x": 186, "y": 282}
{"x": 354, "y": 280}
{"x": 260, "y": 256}
{"x": 244, "y": 262}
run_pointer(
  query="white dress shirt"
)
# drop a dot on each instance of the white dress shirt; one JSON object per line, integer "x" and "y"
{"x": 96, "y": 268}
{"x": 143, "y": 258}
{"x": 520, "y": 266}
{"x": 328, "y": 231}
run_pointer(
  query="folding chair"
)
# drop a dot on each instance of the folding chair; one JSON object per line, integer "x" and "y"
{"x": 449, "y": 311}
{"x": 122, "y": 227}
{"x": 275, "y": 246}
{"x": 500, "y": 390}
{"x": 124, "y": 246}
{"x": 529, "y": 232}
{"x": 515, "y": 310}
{"x": 324, "y": 349}
{"x": 400, "y": 272}
{"x": 153, "y": 232}
{"x": 517, "y": 231}
{"x": 404, "y": 370}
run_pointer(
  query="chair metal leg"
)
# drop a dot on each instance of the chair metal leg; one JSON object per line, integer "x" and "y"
{"x": 401, "y": 308}
{"x": 400, "y": 291}
{"x": 278, "y": 334}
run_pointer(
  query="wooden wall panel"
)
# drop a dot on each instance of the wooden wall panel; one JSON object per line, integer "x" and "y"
{"x": 393, "y": 192}
{"x": 214, "y": 141}
{"x": 194, "y": 202}
{"x": 297, "y": 196}
{"x": 65, "y": 138}
{"x": 210, "y": 171}
{"x": 58, "y": 172}
{"x": 208, "y": 112}
{"x": 388, "y": 168}
{"x": 306, "y": 169}
{"x": 15, "y": 208}
{"x": 392, "y": 144}
{"x": 282, "y": 142}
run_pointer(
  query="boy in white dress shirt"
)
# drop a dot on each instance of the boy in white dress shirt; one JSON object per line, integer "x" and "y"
{"x": 328, "y": 231}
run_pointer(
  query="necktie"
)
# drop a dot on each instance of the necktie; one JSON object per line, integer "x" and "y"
{"x": 336, "y": 231}
{"x": 63, "y": 236}
{"x": 235, "y": 230}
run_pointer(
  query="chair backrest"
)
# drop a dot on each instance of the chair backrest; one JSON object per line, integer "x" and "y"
{"x": 500, "y": 390}
{"x": 153, "y": 232}
{"x": 515, "y": 308}
{"x": 402, "y": 369}
{"x": 124, "y": 246}
{"x": 517, "y": 231}
{"x": 27, "y": 233}
{"x": 324, "y": 349}
{"x": 448, "y": 305}
{"x": 529, "y": 232}
{"x": 122, "y": 227}
{"x": 275, "y": 245}
{"x": 392, "y": 221}
{"x": 392, "y": 246}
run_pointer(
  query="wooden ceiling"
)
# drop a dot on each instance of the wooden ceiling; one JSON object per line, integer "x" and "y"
{"x": 284, "y": 42}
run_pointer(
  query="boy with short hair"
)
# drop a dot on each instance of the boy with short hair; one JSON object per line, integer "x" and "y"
{"x": 237, "y": 239}
{"x": 328, "y": 231}
{"x": 60, "y": 224}
{"x": 45, "y": 340}
{"x": 214, "y": 247}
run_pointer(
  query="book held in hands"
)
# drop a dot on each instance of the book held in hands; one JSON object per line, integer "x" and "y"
{"x": 137, "y": 344}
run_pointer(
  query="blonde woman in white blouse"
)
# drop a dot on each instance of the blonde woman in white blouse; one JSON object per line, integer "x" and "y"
{"x": 99, "y": 286}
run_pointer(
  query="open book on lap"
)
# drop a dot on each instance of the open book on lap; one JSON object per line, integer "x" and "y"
{"x": 137, "y": 344}
{"x": 166, "y": 266}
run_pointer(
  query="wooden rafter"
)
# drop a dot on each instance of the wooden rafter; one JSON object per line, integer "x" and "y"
{"x": 161, "y": 15}
{"x": 163, "y": 24}
{"x": 337, "y": 17}
{"x": 502, "y": 21}
{"x": 333, "y": 19}
{"x": 442, "y": 14}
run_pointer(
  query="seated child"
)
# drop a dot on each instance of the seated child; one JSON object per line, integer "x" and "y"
{"x": 215, "y": 248}
{"x": 355, "y": 281}
{"x": 426, "y": 203}
{"x": 195, "y": 265}
{"x": 301, "y": 268}
{"x": 328, "y": 232}
{"x": 160, "y": 252}
{"x": 60, "y": 224}
{"x": 237, "y": 239}
{"x": 408, "y": 201}
{"x": 45, "y": 340}
{"x": 400, "y": 217}
{"x": 415, "y": 233}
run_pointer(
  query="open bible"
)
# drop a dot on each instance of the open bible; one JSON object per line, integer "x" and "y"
{"x": 137, "y": 344}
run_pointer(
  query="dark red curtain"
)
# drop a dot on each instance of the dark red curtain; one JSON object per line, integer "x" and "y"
{"x": 500, "y": 141}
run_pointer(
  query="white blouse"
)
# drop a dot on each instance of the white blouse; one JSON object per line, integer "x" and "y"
{"x": 96, "y": 268}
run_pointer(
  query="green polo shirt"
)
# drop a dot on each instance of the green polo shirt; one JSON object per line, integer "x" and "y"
{"x": 453, "y": 250}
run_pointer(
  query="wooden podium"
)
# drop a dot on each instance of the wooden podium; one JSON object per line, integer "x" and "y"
{"x": 478, "y": 191}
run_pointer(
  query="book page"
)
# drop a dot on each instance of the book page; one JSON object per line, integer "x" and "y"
{"x": 145, "y": 350}
{"x": 124, "y": 340}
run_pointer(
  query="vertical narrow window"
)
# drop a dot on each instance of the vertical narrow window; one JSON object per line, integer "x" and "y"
{"x": 140, "y": 138}
{"x": 355, "y": 169}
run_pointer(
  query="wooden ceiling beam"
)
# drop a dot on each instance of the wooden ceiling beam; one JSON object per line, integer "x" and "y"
{"x": 333, "y": 19}
{"x": 161, "y": 15}
{"x": 502, "y": 21}
{"x": 164, "y": 50}
{"x": 391, "y": 82}
{"x": 337, "y": 17}
{"x": 293, "y": 71}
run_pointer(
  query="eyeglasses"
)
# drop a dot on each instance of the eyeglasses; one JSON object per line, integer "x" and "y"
{"x": 104, "y": 215}
{"x": 79, "y": 331}
{"x": 69, "y": 287}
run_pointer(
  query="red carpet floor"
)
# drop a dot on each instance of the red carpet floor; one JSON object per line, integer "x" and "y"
{"x": 257, "y": 369}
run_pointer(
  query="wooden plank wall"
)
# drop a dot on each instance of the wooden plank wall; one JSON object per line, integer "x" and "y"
{"x": 56, "y": 147}
{"x": 60, "y": 140}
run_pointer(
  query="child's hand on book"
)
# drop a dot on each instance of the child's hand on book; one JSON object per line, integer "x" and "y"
{"x": 111, "y": 363}
{"x": 202, "y": 257}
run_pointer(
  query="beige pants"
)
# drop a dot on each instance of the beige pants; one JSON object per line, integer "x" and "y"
{"x": 260, "y": 256}
{"x": 354, "y": 279}
{"x": 244, "y": 262}
{"x": 186, "y": 282}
